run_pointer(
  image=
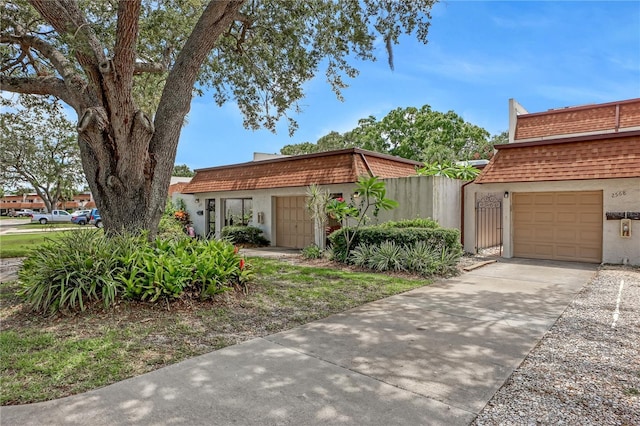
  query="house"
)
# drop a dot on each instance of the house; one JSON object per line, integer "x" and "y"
{"x": 270, "y": 192}
{"x": 568, "y": 184}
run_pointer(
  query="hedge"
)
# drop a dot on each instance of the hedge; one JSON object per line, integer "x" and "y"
{"x": 375, "y": 235}
{"x": 238, "y": 234}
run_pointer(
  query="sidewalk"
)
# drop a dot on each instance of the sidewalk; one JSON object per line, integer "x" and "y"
{"x": 434, "y": 356}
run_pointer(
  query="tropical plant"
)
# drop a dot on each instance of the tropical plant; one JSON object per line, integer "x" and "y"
{"x": 462, "y": 171}
{"x": 317, "y": 202}
{"x": 370, "y": 193}
{"x": 388, "y": 256}
{"x": 312, "y": 252}
{"x": 82, "y": 268}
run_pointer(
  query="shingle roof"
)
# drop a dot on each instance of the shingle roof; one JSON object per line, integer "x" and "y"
{"x": 332, "y": 167}
{"x": 595, "y": 157}
{"x": 601, "y": 118}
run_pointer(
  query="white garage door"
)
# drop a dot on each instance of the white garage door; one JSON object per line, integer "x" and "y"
{"x": 558, "y": 225}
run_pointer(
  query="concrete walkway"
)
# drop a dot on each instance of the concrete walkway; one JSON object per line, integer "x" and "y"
{"x": 431, "y": 356}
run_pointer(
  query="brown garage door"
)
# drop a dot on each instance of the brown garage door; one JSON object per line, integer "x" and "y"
{"x": 294, "y": 227}
{"x": 558, "y": 225}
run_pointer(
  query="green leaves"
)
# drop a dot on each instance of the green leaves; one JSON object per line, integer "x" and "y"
{"x": 39, "y": 148}
{"x": 85, "y": 267}
{"x": 450, "y": 170}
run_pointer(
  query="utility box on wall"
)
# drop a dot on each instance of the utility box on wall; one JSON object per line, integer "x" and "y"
{"x": 625, "y": 228}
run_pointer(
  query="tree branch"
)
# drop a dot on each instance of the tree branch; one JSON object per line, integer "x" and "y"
{"x": 66, "y": 18}
{"x": 59, "y": 61}
{"x": 46, "y": 85}
{"x": 124, "y": 56}
{"x": 149, "y": 67}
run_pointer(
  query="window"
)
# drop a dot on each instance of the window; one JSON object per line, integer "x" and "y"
{"x": 238, "y": 211}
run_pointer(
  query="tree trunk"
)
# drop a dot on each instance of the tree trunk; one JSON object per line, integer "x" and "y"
{"x": 128, "y": 188}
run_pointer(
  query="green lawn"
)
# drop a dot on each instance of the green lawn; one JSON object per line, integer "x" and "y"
{"x": 45, "y": 358}
{"x": 18, "y": 245}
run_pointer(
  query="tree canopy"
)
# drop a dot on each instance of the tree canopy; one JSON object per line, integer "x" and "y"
{"x": 182, "y": 170}
{"x": 39, "y": 148}
{"x": 420, "y": 134}
{"x": 130, "y": 68}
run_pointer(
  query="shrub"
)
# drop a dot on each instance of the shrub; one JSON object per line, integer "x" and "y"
{"x": 85, "y": 267}
{"x": 238, "y": 234}
{"x": 312, "y": 252}
{"x": 419, "y": 258}
{"x": 388, "y": 256}
{"x": 375, "y": 235}
{"x": 412, "y": 223}
{"x": 72, "y": 271}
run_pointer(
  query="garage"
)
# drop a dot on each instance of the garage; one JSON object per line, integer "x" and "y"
{"x": 558, "y": 225}
{"x": 294, "y": 227}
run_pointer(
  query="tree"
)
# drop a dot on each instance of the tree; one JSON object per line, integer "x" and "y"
{"x": 39, "y": 149}
{"x": 417, "y": 134}
{"x": 182, "y": 170}
{"x": 299, "y": 149}
{"x": 130, "y": 69}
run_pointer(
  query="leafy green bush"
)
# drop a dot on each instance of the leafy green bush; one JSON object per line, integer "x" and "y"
{"x": 84, "y": 267}
{"x": 388, "y": 256}
{"x": 438, "y": 238}
{"x": 238, "y": 234}
{"x": 168, "y": 268}
{"x": 72, "y": 271}
{"x": 412, "y": 223}
{"x": 419, "y": 258}
{"x": 312, "y": 252}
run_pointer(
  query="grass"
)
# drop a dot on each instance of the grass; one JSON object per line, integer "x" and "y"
{"x": 18, "y": 245}
{"x": 47, "y": 358}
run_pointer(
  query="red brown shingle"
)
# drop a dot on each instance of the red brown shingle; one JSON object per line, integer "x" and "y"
{"x": 611, "y": 117}
{"x": 612, "y": 157}
{"x": 333, "y": 167}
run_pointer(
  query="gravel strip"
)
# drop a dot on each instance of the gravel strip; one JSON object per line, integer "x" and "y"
{"x": 584, "y": 371}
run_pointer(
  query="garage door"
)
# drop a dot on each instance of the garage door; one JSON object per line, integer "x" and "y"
{"x": 294, "y": 227}
{"x": 558, "y": 225}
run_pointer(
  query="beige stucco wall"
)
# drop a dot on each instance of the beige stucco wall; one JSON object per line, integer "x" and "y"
{"x": 618, "y": 195}
{"x": 434, "y": 197}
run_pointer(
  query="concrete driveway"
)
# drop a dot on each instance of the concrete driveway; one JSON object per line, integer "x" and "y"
{"x": 431, "y": 356}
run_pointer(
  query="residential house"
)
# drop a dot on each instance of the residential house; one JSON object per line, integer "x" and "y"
{"x": 270, "y": 192}
{"x": 569, "y": 185}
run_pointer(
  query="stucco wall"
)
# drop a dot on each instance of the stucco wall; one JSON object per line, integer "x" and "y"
{"x": 618, "y": 195}
{"x": 434, "y": 197}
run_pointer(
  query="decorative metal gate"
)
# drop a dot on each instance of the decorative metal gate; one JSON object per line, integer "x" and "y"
{"x": 489, "y": 224}
{"x": 211, "y": 218}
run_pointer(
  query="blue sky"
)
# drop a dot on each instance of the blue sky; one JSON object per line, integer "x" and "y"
{"x": 544, "y": 54}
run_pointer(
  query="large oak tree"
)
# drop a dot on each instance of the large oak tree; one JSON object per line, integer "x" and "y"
{"x": 129, "y": 69}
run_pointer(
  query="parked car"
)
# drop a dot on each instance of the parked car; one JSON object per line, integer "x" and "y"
{"x": 57, "y": 216}
{"x": 80, "y": 219}
{"x": 94, "y": 218}
{"x": 81, "y": 213}
{"x": 22, "y": 213}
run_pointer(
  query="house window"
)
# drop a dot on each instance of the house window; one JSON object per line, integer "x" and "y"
{"x": 238, "y": 211}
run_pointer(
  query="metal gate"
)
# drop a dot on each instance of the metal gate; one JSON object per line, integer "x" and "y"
{"x": 489, "y": 224}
